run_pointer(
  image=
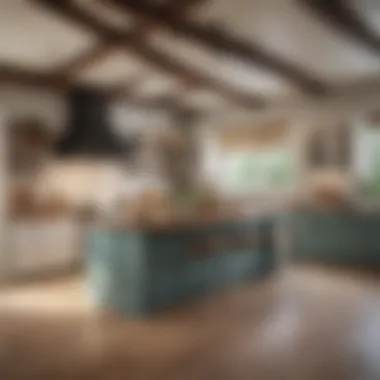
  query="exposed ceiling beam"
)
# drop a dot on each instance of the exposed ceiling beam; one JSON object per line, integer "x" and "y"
{"x": 222, "y": 42}
{"x": 70, "y": 69}
{"x": 10, "y": 74}
{"x": 74, "y": 66}
{"x": 343, "y": 17}
{"x": 167, "y": 103}
{"x": 127, "y": 90}
{"x": 131, "y": 42}
{"x": 187, "y": 3}
{"x": 164, "y": 101}
{"x": 20, "y": 75}
{"x": 182, "y": 6}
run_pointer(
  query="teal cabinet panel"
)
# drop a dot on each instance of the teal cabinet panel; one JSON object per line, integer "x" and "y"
{"x": 220, "y": 270}
{"x": 100, "y": 266}
{"x": 265, "y": 264}
{"x": 349, "y": 239}
{"x": 208, "y": 273}
{"x": 115, "y": 270}
{"x": 165, "y": 289}
{"x": 138, "y": 272}
{"x": 130, "y": 275}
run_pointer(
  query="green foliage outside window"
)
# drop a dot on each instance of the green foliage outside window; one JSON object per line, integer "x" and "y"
{"x": 262, "y": 170}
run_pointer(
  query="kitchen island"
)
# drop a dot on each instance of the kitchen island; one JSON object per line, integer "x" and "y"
{"x": 343, "y": 238}
{"x": 138, "y": 270}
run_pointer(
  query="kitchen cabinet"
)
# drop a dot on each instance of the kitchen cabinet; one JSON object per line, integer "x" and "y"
{"x": 40, "y": 246}
{"x": 139, "y": 271}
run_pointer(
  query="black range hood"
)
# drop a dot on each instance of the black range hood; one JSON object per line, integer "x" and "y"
{"x": 89, "y": 133}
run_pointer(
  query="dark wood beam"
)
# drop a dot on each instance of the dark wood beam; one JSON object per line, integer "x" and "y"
{"x": 73, "y": 67}
{"x": 345, "y": 19}
{"x": 182, "y": 6}
{"x": 127, "y": 90}
{"x": 167, "y": 103}
{"x": 69, "y": 70}
{"x": 10, "y": 74}
{"x": 220, "y": 41}
{"x": 164, "y": 101}
{"x": 132, "y": 43}
{"x": 19, "y": 75}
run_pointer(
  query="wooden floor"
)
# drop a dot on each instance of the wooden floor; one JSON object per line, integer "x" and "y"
{"x": 305, "y": 324}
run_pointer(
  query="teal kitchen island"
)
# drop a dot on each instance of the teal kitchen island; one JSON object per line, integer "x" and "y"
{"x": 350, "y": 239}
{"x": 137, "y": 271}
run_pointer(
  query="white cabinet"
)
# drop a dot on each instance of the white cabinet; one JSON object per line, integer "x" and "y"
{"x": 40, "y": 246}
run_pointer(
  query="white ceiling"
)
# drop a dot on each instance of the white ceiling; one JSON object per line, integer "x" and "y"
{"x": 30, "y": 37}
{"x": 225, "y": 68}
{"x": 289, "y": 30}
{"x": 34, "y": 38}
{"x": 115, "y": 68}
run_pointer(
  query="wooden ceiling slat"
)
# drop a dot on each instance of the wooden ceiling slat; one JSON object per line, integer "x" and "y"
{"x": 23, "y": 76}
{"x": 222, "y": 42}
{"x": 167, "y": 102}
{"x": 70, "y": 69}
{"x": 183, "y": 5}
{"x": 19, "y": 75}
{"x": 345, "y": 19}
{"x": 160, "y": 102}
{"x": 127, "y": 90}
{"x": 133, "y": 43}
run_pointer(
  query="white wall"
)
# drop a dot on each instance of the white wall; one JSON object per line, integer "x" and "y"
{"x": 21, "y": 101}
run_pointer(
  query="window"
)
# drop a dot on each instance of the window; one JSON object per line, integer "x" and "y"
{"x": 367, "y": 159}
{"x": 259, "y": 170}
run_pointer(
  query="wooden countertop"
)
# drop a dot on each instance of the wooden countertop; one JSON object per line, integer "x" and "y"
{"x": 41, "y": 218}
{"x": 176, "y": 223}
